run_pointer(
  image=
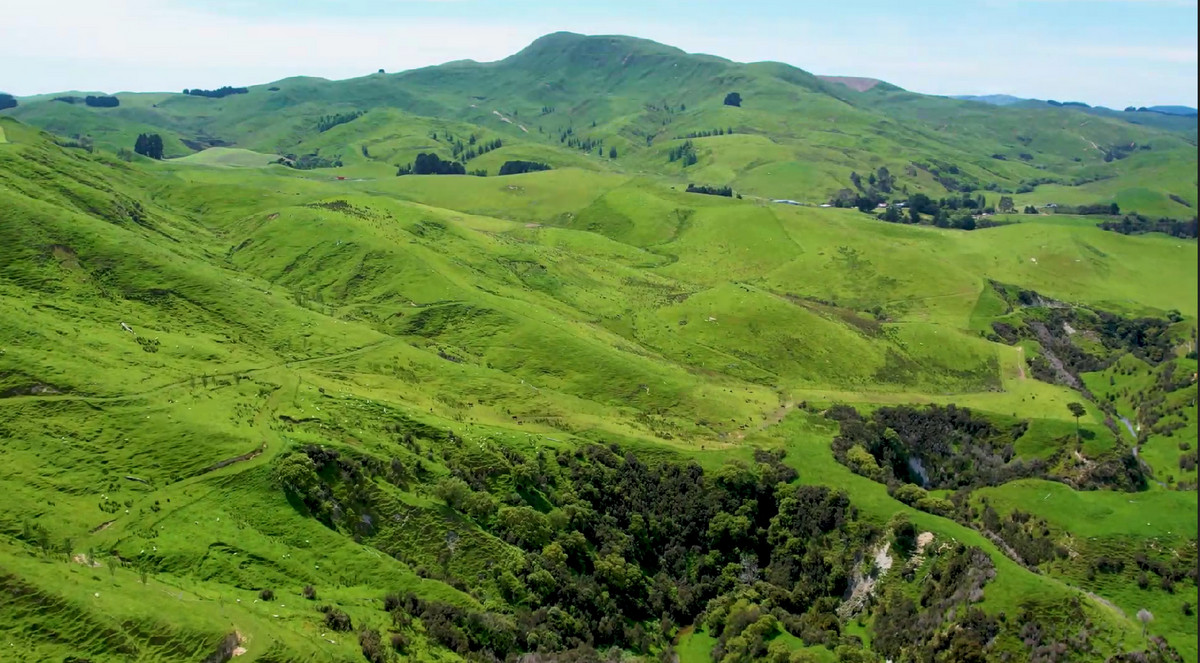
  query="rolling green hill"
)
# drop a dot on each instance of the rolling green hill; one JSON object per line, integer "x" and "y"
{"x": 795, "y": 136}
{"x": 333, "y": 414}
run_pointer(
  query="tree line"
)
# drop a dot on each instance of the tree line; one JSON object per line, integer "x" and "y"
{"x": 1136, "y": 224}
{"x": 707, "y": 133}
{"x": 517, "y": 167}
{"x": 101, "y": 101}
{"x": 223, "y": 91}
{"x": 432, "y": 164}
{"x": 327, "y": 122}
{"x": 1093, "y": 209}
{"x": 309, "y": 161}
{"x": 474, "y": 148}
{"x": 711, "y": 190}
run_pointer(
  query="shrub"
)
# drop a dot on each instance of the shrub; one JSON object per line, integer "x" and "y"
{"x": 372, "y": 646}
{"x": 337, "y": 620}
{"x": 910, "y": 493}
{"x": 733, "y": 99}
{"x": 309, "y": 592}
{"x": 399, "y": 642}
{"x": 936, "y": 505}
{"x": 862, "y": 462}
{"x": 267, "y": 595}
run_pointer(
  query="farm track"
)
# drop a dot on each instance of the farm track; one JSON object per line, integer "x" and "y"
{"x": 269, "y": 405}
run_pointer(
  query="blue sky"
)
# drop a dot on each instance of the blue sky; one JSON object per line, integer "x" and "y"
{"x": 1111, "y": 52}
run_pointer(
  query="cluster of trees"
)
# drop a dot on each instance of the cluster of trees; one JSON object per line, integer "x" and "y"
{"x": 1160, "y": 566}
{"x": 102, "y": 101}
{"x": 583, "y": 144}
{"x": 868, "y": 192}
{"x": 937, "y": 447}
{"x": 309, "y": 161}
{"x": 518, "y": 167}
{"x": 879, "y": 182}
{"x": 223, "y": 91}
{"x": 1147, "y": 338}
{"x": 85, "y": 142}
{"x": 1030, "y": 184}
{"x": 7, "y": 101}
{"x": 707, "y": 133}
{"x": 950, "y": 176}
{"x": 612, "y": 551}
{"x": 1097, "y": 209}
{"x": 615, "y": 552}
{"x": 1113, "y": 152}
{"x": 685, "y": 152}
{"x": 733, "y": 99}
{"x": 468, "y": 149}
{"x": 149, "y": 145}
{"x": 473, "y": 148}
{"x": 711, "y": 190}
{"x": 1025, "y": 535}
{"x": 907, "y": 630}
{"x": 327, "y": 122}
{"x": 1136, "y": 224}
{"x": 959, "y": 212}
{"x": 432, "y": 164}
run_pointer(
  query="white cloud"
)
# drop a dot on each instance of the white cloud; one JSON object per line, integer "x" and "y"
{"x": 172, "y": 45}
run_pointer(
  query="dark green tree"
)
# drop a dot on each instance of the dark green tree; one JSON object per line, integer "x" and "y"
{"x": 149, "y": 145}
{"x": 1077, "y": 411}
{"x": 733, "y": 99}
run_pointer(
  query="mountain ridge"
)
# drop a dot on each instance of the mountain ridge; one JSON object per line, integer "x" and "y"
{"x": 634, "y": 96}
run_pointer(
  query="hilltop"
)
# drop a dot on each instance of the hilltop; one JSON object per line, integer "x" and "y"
{"x": 796, "y": 136}
{"x": 288, "y": 395}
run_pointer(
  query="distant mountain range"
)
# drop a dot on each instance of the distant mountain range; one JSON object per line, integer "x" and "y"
{"x": 1009, "y": 100}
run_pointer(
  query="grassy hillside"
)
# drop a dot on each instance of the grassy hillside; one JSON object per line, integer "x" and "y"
{"x": 794, "y": 136}
{"x": 334, "y": 414}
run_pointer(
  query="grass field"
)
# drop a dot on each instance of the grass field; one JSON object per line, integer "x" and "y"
{"x": 173, "y": 330}
{"x": 230, "y": 157}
